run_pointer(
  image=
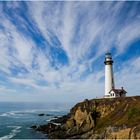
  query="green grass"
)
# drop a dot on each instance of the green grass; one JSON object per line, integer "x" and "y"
{"x": 133, "y": 112}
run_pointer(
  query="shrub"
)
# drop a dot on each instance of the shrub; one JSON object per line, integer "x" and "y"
{"x": 133, "y": 112}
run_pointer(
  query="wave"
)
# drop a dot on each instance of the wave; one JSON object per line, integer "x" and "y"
{"x": 13, "y": 113}
{"x": 3, "y": 115}
{"x": 7, "y": 114}
{"x": 56, "y": 123}
{"x": 36, "y": 110}
{"x": 52, "y": 118}
{"x": 12, "y": 133}
{"x": 16, "y": 113}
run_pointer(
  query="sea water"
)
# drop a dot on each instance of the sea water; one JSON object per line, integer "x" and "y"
{"x": 17, "y": 118}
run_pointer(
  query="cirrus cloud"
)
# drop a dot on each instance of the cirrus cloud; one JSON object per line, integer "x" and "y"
{"x": 55, "y": 50}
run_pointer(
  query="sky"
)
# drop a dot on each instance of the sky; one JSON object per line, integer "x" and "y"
{"x": 54, "y": 51}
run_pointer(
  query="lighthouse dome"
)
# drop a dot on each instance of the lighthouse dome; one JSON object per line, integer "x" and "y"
{"x": 108, "y": 55}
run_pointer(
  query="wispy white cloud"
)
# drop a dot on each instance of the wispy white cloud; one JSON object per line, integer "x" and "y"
{"x": 129, "y": 77}
{"x": 128, "y": 35}
{"x": 85, "y": 31}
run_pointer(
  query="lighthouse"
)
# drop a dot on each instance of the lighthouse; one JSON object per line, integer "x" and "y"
{"x": 109, "y": 79}
{"x": 110, "y": 90}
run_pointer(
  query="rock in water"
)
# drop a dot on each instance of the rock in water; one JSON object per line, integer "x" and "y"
{"x": 41, "y": 114}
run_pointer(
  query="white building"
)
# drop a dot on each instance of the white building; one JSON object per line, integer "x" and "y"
{"x": 117, "y": 93}
{"x": 110, "y": 91}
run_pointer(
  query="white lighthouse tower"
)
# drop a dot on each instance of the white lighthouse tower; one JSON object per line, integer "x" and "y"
{"x": 109, "y": 79}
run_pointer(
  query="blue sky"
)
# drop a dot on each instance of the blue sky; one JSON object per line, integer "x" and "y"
{"x": 54, "y": 51}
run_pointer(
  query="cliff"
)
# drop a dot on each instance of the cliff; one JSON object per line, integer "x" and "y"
{"x": 98, "y": 119}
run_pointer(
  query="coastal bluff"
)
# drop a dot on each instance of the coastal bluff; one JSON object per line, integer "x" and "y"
{"x": 114, "y": 118}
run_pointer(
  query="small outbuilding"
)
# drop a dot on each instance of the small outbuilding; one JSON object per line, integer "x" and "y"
{"x": 117, "y": 93}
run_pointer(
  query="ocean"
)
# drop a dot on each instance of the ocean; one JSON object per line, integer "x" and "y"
{"x": 17, "y": 118}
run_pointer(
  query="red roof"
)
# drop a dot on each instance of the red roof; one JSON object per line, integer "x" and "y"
{"x": 118, "y": 91}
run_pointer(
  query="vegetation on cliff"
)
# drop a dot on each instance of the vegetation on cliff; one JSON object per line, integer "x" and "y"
{"x": 99, "y": 118}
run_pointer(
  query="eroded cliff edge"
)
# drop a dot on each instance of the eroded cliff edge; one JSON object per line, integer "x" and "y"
{"x": 117, "y": 118}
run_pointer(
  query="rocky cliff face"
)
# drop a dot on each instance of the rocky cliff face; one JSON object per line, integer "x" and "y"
{"x": 99, "y": 118}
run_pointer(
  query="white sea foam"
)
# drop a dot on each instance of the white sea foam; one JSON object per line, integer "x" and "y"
{"x": 19, "y": 113}
{"x": 4, "y": 114}
{"x": 7, "y": 114}
{"x": 25, "y": 111}
{"x": 36, "y": 111}
{"x": 48, "y": 120}
{"x": 54, "y": 110}
{"x": 56, "y": 123}
{"x": 12, "y": 113}
{"x": 12, "y": 133}
{"x": 52, "y": 118}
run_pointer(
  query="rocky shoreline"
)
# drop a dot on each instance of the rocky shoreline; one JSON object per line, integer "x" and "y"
{"x": 97, "y": 119}
{"x": 53, "y": 126}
